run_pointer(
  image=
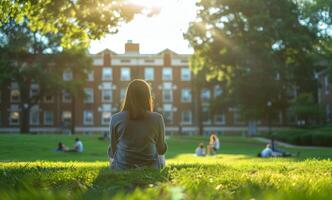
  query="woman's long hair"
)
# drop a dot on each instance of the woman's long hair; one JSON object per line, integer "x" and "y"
{"x": 138, "y": 99}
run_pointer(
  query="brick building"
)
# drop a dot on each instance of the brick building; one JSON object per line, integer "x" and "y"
{"x": 172, "y": 87}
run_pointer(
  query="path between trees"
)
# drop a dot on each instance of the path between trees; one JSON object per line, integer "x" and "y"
{"x": 265, "y": 140}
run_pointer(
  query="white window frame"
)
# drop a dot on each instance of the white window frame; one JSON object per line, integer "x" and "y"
{"x": 149, "y": 73}
{"x": 67, "y": 75}
{"x": 183, "y": 117}
{"x": 326, "y": 85}
{"x": 208, "y": 115}
{"x": 208, "y": 92}
{"x": 11, "y": 119}
{"x": 223, "y": 116}
{"x": 89, "y": 96}
{"x": 85, "y": 113}
{"x": 164, "y": 95}
{"x": 185, "y": 74}
{"x": 103, "y": 92}
{"x": 64, "y": 100}
{"x": 165, "y": 72}
{"x": 183, "y": 97}
{"x": 46, "y": 122}
{"x": 15, "y": 89}
{"x": 122, "y": 94}
{"x": 217, "y": 89}
{"x": 34, "y": 89}
{"x": 48, "y": 101}
{"x": 103, "y": 121}
{"x": 107, "y": 76}
{"x": 123, "y": 75}
{"x": 90, "y": 74}
{"x": 34, "y": 110}
{"x": 63, "y": 117}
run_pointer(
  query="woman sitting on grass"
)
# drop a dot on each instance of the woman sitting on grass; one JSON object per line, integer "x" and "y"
{"x": 137, "y": 133}
{"x": 214, "y": 144}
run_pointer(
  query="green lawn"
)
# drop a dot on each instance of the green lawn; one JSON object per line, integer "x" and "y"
{"x": 29, "y": 169}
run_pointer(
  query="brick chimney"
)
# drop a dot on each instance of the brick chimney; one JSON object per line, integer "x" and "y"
{"x": 131, "y": 47}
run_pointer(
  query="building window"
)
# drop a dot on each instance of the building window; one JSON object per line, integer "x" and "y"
{"x": 48, "y": 118}
{"x": 66, "y": 97}
{"x": 167, "y": 95}
{"x": 122, "y": 94}
{"x": 168, "y": 113}
{"x": 185, "y": 74}
{"x": 206, "y": 115}
{"x": 15, "y": 95}
{"x": 186, "y": 117}
{"x": 88, "y": 95}
{"x": 326, "y": 85}
{"x": 149, "y": 74}
{"x": 167, "y": 74}
{"x": 237, "y": 118}
{"x": 34, "y": 90}
{"x": 220, "y": 119}
{"x": 34, "y": 115}
{"x": 107, "y": 74}
{"x": 185, "y": 95}
{"x": 217, "y": 91}
{"x": 328, "y": 112}
{"x": 90, "y": 75}
{"x": 105, "y": 117}
{"x": 106, "y": 96}
{"x": 168, "y": 117}
{"x": 66, "y": 117}
{"x": 67, "y": 75}
{"x": 48, "y": 99}
{"x": 87, "y": 117}
{"x": 14, "y": 118}
{"x": 205, "y": 95}
{"x": 125, "y": 74}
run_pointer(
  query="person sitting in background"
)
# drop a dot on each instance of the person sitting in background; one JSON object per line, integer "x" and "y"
{"x": 200, "y": 150}
{"x": 61, "y": 147}
{"x": 214, "y": 144}
{"x": 78, "y": 146}
{"x": 267, "y": 152}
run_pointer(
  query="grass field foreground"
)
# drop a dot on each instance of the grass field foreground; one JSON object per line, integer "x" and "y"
{"x": 229, "y": 175}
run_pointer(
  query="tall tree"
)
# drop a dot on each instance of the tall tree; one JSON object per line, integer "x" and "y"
{"x": 31, "y": 59}
{"x": 77, "y": 21}
{"x": 259, "y": 47}
{"x": 39, "y": 39}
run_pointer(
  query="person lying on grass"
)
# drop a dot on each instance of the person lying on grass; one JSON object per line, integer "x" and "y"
{"x": 270, "y": 152}
{"x": 200, "y": 150}
{"x": 137, "y": 133}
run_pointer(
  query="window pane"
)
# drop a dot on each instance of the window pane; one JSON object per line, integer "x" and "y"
{"x": 185, "y": 74}
{"x": 149, "y": 74}
{"x": 67, "y": 75}
{"x": 48, "y": 118}
{"x": 167, "y": 95}
{"x": 185, "y": 95}
{"x": 125, "y": 74}
{"x": 88, "y": 97}
{"x": 106, "y": 95}
{"x": 105, "y": 117}
{"x": 107, "y": 74}
{"x": 87, "y": 117}
{"x": 167, "y": 74}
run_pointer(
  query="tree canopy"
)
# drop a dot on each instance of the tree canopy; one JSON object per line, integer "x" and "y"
{"x": 263, "y": 49}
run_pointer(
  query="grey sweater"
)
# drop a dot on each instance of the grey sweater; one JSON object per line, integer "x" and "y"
{"x": 136, "y": 143}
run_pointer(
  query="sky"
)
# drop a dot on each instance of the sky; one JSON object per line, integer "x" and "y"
{"x": 164, "y": 30}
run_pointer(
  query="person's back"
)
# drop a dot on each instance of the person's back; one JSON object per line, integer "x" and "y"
{"x": 78, "y": 145}
{"x": 267, "y": 152}
{"x": 137, "y": 142}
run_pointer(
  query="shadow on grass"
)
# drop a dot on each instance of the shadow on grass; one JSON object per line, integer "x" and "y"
{"x": 109, "y": 183}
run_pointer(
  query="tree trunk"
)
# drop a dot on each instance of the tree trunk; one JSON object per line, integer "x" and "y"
{"x": 24, "y": 118}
